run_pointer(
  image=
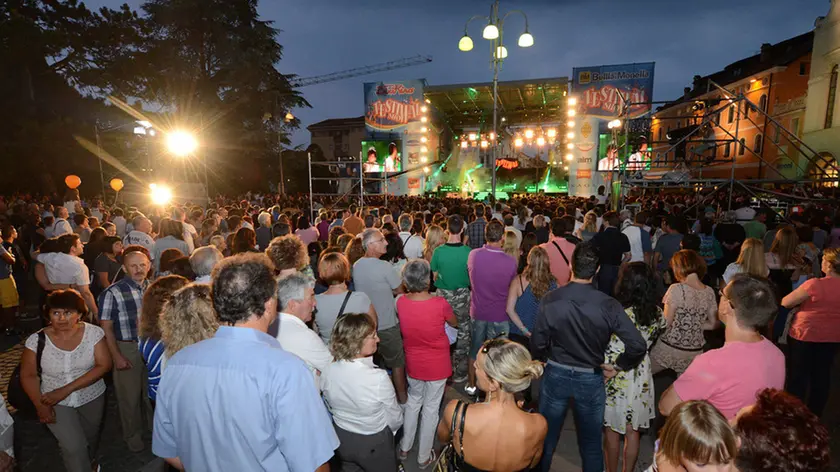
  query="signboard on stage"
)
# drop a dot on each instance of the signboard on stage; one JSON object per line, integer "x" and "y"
{"x": 391, "y": 106}
{"x": 597, "y": 89}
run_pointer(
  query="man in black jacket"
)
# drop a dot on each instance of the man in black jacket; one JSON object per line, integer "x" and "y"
{"x": 572, "y": 331}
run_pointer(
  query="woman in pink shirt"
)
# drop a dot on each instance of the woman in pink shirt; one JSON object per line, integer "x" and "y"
{"x": 305, "y": 231}
{"x": 815, "y": 333}
{"x": 427, "y": 362}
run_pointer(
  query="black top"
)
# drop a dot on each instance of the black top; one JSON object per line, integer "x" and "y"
{"x": 611, "y": 244}
{"x": 574, "y": 325}
{"x": 730, "y": 233}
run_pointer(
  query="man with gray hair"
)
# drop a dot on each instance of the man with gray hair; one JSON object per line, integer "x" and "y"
{"x": 379, "y": 281}
{"x": 412, "y": 243}
{"x": 202, "y": 261}
{"x": 141, "y": 234}
{"x": 190, "y": 235}
{"x": 264, "y": 236}
{"x": 61, "y": 225}
{"x": 296, "y": 301}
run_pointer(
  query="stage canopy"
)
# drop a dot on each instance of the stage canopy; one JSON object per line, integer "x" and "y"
{"x": 521, "y": 102}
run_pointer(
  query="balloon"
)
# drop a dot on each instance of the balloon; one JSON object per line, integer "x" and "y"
{"x": 117, "y": 184}
{"x": 72, "y": 181}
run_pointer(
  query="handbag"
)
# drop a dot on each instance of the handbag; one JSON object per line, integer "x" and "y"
{"x": 16, "y": 394}
{"x": 446, "y": 460}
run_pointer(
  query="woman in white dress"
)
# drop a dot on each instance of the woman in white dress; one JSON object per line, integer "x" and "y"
{"x": 630, "y": 395}
{"x": 69, "y": 397}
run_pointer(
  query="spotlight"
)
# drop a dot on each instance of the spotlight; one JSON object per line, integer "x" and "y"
{"x": 570, "y": 146}
{"x": 518, "y": 142}
{"x": 540, "y": 141}
{"x": 572, "y": 101}
{"x": 464, "y": 144}
{"x": 529, "y": 133}
{"x": 424, "y": 108}
{"x": 426, "y": 169}
{"x": 570, "y": 157}
{"x": 423, "y": 119}
{"x": 570, "y": 124}
{"x": 161, "y": 195}
{"x": 181, "y": 143}
{"x": 492, "y": 136}
{"x": 424, "y": 129}
{"x": 572, "y": 112}
{"x": 551, "y": 132}
{"x": 570, "y": 135}
{"x": 423, "y": 139}
{"x": 484, "y": 144}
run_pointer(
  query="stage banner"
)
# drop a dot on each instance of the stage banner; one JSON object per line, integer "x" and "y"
{"x": 597, "y": 89}
{"x": 391, "y": 106}
{"x": 584, "y": 179}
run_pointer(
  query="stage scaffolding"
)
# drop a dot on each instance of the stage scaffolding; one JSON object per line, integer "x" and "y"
{"x": 679, "y": 171}
{"x": 357, "y": 188}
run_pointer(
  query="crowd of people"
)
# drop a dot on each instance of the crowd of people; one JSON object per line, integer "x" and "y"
{"x": 269, "y": 332}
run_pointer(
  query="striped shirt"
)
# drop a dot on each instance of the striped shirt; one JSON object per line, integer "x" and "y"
{"x": 121, "y": 304}
{"x": 152, "y": 351}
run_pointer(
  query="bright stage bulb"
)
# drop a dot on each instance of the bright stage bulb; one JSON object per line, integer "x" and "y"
{"x": 570, "y": 135}
{"x": 572, "y": 112}
{"x": 424, "y": 159}
{"x": 424, "y": 108}
{"x": 423, "y": 139}
{"x": 161, "y": 195}
{"x": 570, "y": 157}
{"x": 426, "y": 169}
{"x": 540, "y": 141}
{"x": 570, "y": 124}
{"x": 424, "y": 129}
{"x": 570, "y": 146}
{"x": 484, "y": 144}
{"x": 492, "y": 136}
{"x": 181, "y": 143}
{"x": 423, "y": 119}
{"x": 518, "y": 142}
{"x": 424, "y": 149}
{"x": 473, "y": 136}
{"x": 572, "y": 101}
{"x": 551, "y": 133}
{"x": 464, "y": 144}
{"x": 490, "y": 32}
{"x": 529, "y": 133}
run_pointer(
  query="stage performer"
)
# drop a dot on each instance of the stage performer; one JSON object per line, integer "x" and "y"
{"x": 392, "y": 162}
{"x": 639, "y": 160}
{"x": 371, "y": 165}
{"x": 609, "y": 163}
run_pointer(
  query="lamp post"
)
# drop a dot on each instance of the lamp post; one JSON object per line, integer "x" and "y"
{"x": 494, "y": 32}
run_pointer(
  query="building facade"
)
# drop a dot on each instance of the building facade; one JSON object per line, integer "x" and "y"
{"x": 822, "y": 118}
{"x": 756, "y": 132}
{"x": 339, "y": 138}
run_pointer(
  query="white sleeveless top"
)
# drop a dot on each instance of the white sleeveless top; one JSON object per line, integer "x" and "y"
{"x": 60, "y": 367}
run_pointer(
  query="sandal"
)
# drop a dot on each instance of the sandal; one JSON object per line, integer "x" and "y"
{"x": 432, "y": 460}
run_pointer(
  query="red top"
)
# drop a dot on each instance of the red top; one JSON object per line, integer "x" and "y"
{"x": 424, "y": 339}
{"x": 818, "y": 319}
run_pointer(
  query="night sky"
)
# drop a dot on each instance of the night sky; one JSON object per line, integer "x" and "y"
{"x": 684, "y": 38}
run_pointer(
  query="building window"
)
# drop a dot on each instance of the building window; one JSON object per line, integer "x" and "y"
{"x": 742, "y": 147}
{"x": 747, "y": 107}
{"x": 832, "y": 95}
{"x": 759, "y": 140}
{"x": 727, "y": 150}
{"x": 762, "y": 103}
{"x": 825, "y": 166}
{"x": 803, "y": 68}
{"x": 731, "y": 116}
{"x": 794, "y": 126}
{"x": 660, "y": 134}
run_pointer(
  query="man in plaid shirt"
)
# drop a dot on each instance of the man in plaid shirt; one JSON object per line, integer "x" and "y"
{"x": 119, "y": 313}
{"x": 475, "y": 230}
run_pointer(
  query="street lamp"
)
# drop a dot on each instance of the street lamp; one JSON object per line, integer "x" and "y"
{"x": 494, "y": 32}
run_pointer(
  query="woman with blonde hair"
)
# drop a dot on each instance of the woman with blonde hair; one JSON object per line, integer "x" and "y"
{"x": 497, "y": 434}
{"x": 510, "y": 245}
{"x": 785, "y": 267}
{"x": 188, "y": 317}
{"x": 525, "y": 293}
{"x": 589, "y": 228}
{"x": 435, "y": 237}
{"x": 361, "y": 397}
{"x": 148, "y": 333}
{"x": 751, "y": 261}
{"x": 695, "y": 437}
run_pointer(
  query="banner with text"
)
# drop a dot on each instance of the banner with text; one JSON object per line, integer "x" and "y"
{"x": 597, "y": 89}
{"x": 391, "y": 106}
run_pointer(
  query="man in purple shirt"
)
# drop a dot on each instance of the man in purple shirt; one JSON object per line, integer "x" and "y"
{"x": 491, "y": 271}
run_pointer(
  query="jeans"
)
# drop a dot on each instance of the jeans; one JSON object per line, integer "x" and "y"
{"x": 485, "y": 330}
{"x": 559, "y": 385}
{"x": 810, "y": 366}
{"x": 607, "y": 277}
{"x": 426, "y": 396}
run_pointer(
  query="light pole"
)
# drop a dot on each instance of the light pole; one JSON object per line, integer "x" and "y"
{"x": 494, "y": 32}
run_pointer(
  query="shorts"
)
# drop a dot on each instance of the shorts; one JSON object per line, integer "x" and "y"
{"x": 486, "y": 330}
{"x": 391, "y": 347}
{"x": 8, "y": 293}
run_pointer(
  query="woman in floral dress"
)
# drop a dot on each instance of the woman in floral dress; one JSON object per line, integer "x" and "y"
{"x": 630, "y": 395}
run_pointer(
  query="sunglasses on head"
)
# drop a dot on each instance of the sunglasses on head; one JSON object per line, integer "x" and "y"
{"x": 494, "y": 343}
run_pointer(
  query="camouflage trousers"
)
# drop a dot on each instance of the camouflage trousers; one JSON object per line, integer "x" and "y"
{"x": 459, "y": 300}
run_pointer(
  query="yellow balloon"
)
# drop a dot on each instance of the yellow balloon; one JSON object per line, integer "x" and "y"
{"x": 72, "y": 181}
{"x": 117, "y": 184}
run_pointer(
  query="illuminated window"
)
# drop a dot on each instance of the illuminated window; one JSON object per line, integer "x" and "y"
{"x": 731, "y": 116}
{"x": 742, "y": 147}
{"x": 832, "y": 95}
{"x": 759, "y": 140}
{"x": 825, "y": 166}
{"x": 762, "y": 103}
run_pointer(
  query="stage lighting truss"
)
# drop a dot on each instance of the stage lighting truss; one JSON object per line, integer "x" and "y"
{"x": 539, "y": 137}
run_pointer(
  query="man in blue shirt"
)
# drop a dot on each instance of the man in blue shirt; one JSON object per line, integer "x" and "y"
{"x": 238, "y": 401}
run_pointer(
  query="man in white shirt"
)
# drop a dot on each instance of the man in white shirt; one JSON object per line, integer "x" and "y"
{"x": 412, "y": 243}
{"x": 202, "y": 262}
{"x": 67, "y": 268}
{"x": 634, "y": 235}
{"x": 119, "y": 221}
{"x": 296, "y": 298}
{"x": 141, "y": 234}
{"x": 60, "y": 226}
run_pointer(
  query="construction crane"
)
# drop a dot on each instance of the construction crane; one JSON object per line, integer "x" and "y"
{"x": 364, "y": 70}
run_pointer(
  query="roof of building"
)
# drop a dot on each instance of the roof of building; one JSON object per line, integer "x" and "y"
{"x": 520, "y": 101}
{"x": 338, "y": 123}
{"x": 771, "y": 55}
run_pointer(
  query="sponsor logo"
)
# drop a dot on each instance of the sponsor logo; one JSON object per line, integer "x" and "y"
{"x": 584, "y": 77}
{"x": 586, "y": 130}
{"x": 394, "y": 89}
{"x": 584, "y": 173}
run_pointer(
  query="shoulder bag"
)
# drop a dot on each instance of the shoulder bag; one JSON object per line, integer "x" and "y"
{"x": 16, "y": 394}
